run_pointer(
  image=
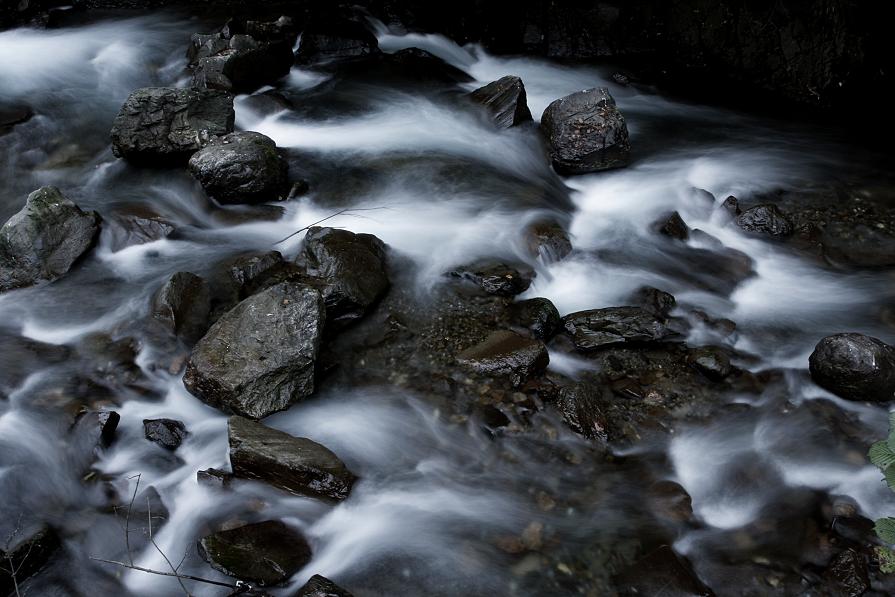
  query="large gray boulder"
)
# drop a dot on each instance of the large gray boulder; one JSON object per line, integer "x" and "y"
{"x": 165, "y": 125}
{"x": 596, "y": 328}
{"x": 855, "y": 367}
{"x": 45, "y": 239}
{"x": 585, "y": 132}
{"x": 258, "y": 358}
{"x": 242, "y": 167}
{"x": 506, "y": 101}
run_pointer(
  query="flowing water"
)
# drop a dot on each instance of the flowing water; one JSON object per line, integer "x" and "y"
{"x": 430, "y": 176}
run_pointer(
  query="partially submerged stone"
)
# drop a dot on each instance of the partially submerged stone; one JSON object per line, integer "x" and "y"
{"x": 506, "y": 353}
{"x": 855, "y": 367}
{"x": 505, "y": 100}
{"x": 167, "y": 433}
{"x": 596, "y": 328}
{"x": 765, "y": 219}
{"x": 538, "y": 316}
{"x": 25, "y": 549}
{"x": 583, "y": 410}
{"x": 496, "y": 277}
{"x": 711, "y": 361}
{"x": 183, "y": 304}
{"x": 328, "y": 40}
{"x": 242, "y": 167}
{"x": 672, "y": 225}
{"x": 320, "y": 586}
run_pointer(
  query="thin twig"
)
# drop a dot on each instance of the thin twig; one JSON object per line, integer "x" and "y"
{"x": 347, "y": 210}
{"x": 159, "y": 549}
{"x": 127, "y": 519}
{"x": 175, "y": 574}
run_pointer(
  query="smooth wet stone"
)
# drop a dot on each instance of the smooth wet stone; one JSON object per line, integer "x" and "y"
{"x": 26, "y": 548}
{"x": 183, "y": 304}
{"x": 658, "y": 302}
{"x": 259, "y": 357}
{"x": 127, "y": 230}
{"x": 44, "y": 239}
{"x": 497, "y": 278}
{"x": 672, "y": 225}
{"x": 597, "y": 328}
{"x": 267, "y": 553}
{"x": 242, "y": 167}
{"x": 320, "y": 586}
{"x": 585, "y": 133}
{"x": 858, "y": 245}
{"x": 506, "y": 353}
{"x": 537, "y": 315}
{"x": 328, "y": 40}
{"x": 670, "y": 501}
{"x": 765, "y": 219}
{"x": 213, "y": 478}
{"x": 854, "y": 367}
{"x": 583, "y": 410}
{"x": 505, "y": 100}
{"x": 732, "y": 206}
{"x": 163, "y": 126}
{"x": 168, "y": 433}
{"x": 711, "y": 361}
{"x": 548, "y": 240}
{"x": 294, "y": 464}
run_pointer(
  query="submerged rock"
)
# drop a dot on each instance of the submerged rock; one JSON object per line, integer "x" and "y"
{"x": 497, "y": 278}
{"x": 854, "y": 367}
{"x": 596, "y": 328}
{"x": 126, "y": 230}
{"x": 548, "y": 240}
{"x": 658, "y": 302}
{"x": 243, "y": 167}
{"x": 538, "y": 316}
{"x": 267, "y": 553}
{"x": 13, "y": 114}
{"x": 335, "y": 40}
{"x": 320, "y": 586}
{"x": 662, "y": 572}
{"x": 183, "y": 304}
{"x": 765, "y": 219}
{"x": 673, "y": 226}
{"x": 294, "y": 464}
{"x": 167, "y": 433}
{"x": 506, "y": 353}
{"x": 585, "y": 132}
{"x": 711, "y": 361}
{"x": 24, "y": 549}
{"x": 258, "y": 358}
{"x": 44, "y": 239}
{"x": 164, "y": 126}
{"x": 505, "y": 99}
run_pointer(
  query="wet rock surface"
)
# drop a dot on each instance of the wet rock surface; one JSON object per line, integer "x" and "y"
{"x": 25, "y": 549}
{"x": 320, "y": 586}
{"x": 596, "y": 328}
{"x": 765, "y": 219}
{"x": 673, "y": 226}
{"x": 505, "y": 100}
{"x": 497, "y": 278}
{"x": 855, "y": 367}
{"x": 242, "y": 167}
{"x": 183, "y": 304}
{"x": 537, "y": 316}
{"x": 506, "y": 353}
{"x": 167, "y": 433}
{"x": 129, "y": 229}
{"x": 328, "y": 40}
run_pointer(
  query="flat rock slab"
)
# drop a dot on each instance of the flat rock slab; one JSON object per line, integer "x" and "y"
{"x": 596, "y": 328}
{"x": 242, "y": 167}
{"x": 507, "y": 353}
{"x": 294, "y": 464}
{"x": 505, "y": 100}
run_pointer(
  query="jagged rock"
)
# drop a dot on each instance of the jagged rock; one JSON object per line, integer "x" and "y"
{"x": 585, "y": 132}
{"x": 505, "y": 99}
{"x": 241, "y": 62}
{"x": 44, "y": 239}
{"x": 506, "y": 353}
{"x": 97, "y": 429}
{"x": 673, "y": 226}
{"x": 320, "y": 586}
{"x": 242, "y": 167}
{"x": 658, "y": 302}
{"x": 765, "y": 219}
{"x": 294, "y": 464}
{"x": 329, "y": 40}
{"x": 259, "y": 357}
{"x": 166, "y": 125}
{"x": 538, "y": 316}
{"x": 25, "y": 549}
{"x": 167, "y": 433}
{"x": 496, "y": 277}
{"x": 126, "y": 230}
{"x": 267, "y": 553}
{"x": 183, "y": 304}
{"x": 711, "y": 361}
{"x": 596, "y": 328}
{"x": 582, "y": 409}
{"x": 855, "y": 367}
{"x": 548, "y": 240}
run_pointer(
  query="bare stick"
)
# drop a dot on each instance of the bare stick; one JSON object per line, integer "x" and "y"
{"x": 127, "y": 519}
{"x": 159, "y": 549}
{"x": 329, "y": 217}
{"x": 175, "y": 574}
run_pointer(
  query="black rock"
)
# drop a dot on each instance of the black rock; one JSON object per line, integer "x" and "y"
{"x": 582, "y": 408}
{"x": 320, "y": 586}
{"x": 548, "y": 240}
{"x": 13, "y": 114}
{"x": 44, "y": 239}
{"x": 585, "y": 132}
{"x": 505, "y": 99}
{"x": 538, "y": 316}
{"x": 239, "y": 64}
{"x": 294, "y": 464}
{"x": 214, "y": 478}
{"x": 350, "y": 270}
{"x": 165, "y": 125}
{"x": 259, "y": 357}
{"x": 26, "y": 550}
{"x": 672, "y": 225}
{"x": 858, "y": 245}
{"x": 183, "y": 304}
{"x": 267, "y": 553}
{"x": 658, "y": 302}
{"x": 243, "y": 167}
{"x": 711, "y": 361}
{"x": 765, "y": 219}
{"x": 854, "y": 367}
{"x": 335, "y": 39}
{"x": 505, "y": 353}
{"x": 167, "y": 433}
{"x": 847, "y": 575}
{"x": 732, "y": 206}
{"x": 132, "y": 229}
{"x": 97, "y": 428}
{"x": 661, "y": 572}
{"x": 497, "y": 278}
{"x": 597, "y": 328}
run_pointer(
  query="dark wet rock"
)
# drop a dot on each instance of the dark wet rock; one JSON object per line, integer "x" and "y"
{"x": 854, "y": 367}
{"x": 147, "y": 508}
{"x": 672, "y": 225}
{"x": 538, "y": 316}
{"x": 491, "y": 416}
{"x": 240, "y": 62}
{"x": 183, "y": 304}
{"x": 298, "y": 189}
{"x": 259, "y": 357}
{"x": 711, "y": 361}
{"x": 294, "y": 464}
{"x": 661, "y": 572}
{"x": 20, "y": 356}
{"x": 848, "y": 575}
{"x": 670, "y": 501}
{"x": 242, "y": 167}
{"x": 732, "y": 206}
{"x": 497, "y": 278}
{"x": 583, "y": 409}
{"x": 548, "y": 240}
{"x": 505, "y": 353}
{"x": 597, "y": 328}
{"x": 237, "y": 278}
{"x": 350, "y": 270}
{"x": 126, "y": 230}
{"x": 585, "y": 132}
{"x": 97, "y": 429}
{"x": 26, "y": 548}
{"x": 213, "y": 478}
{"x": 13, "y": 114}
{"x": 859, "y": 245}
{"x": 167, "y": 433}
{"x": 267, "y": 103}
{"x": 267, "y": 553}
{"x": 658, "y": 302}
{"x": 44, "y": 239}
{"x": 112, "y": 361}
{"x": 329, "y": 40}
{"x": 724, "y": 327}
{"x": 422, "y": 66}
{"x": 320, "y": 586}
{"x": 765, "y": 219}
{"x": 165, "y": 125}
{"x": 505, "y": 100}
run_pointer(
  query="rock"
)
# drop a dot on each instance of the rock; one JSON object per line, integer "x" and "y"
{"x": 505, "y": 99}
{"x": 538, "y": 316}
{"x": 259, "y": 357}
{"x": 294, "y": 464}
{"x": 240, "y": 63}
{"x": 237, "y": 278}
{"x": 496, "y": 277}
{"x": 711, "y": 361}
{"x": 167, "y": 433}
{"x": 320, "y": 586}
{"x": 133, "y": 229}
{"x": 548, "y": 240}
{"x": 854, "y": 367}
{"x": 147, "y": 505}
{"x": 243, "y": 167}
{"x": 732, "y": 206}
{"x": 670, "y": 501}
{"x": 164, "y": 126}
{"x": 765, "y": 219}
{"x": 658, "y": 302}
{"x": 44, "y": 239}
{"x": 847, "y": 575}
{"x": 183, "y": 304}
{"x": 858, "y": 245}
{"x": 585, "y": 133}
{"x": 350, "y": 269}
{"x": 97, "y": 428}
{"x": 597, "y": 328}
{"x": 298, "y": 190}
{"x": 583, "y": 411}
{"x": 26, "y": 550}
{"x": 661, "y": 572}
{"x": 267, "y": 553}
{"x": 672, "y": 225}
{"x": 13, "y": 114}
{"x": 214, "y": 478}
{"x": 329, "y": 40}
{"x": 506, "y": 353}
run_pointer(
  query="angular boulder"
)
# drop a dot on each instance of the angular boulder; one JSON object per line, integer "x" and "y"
{"x": 259, "y": 357}
{"x": 658, "y": 302}
{"x": 126, "y": 230}
{"x": 506, "y": 353}
{"x": 167, "y": 433}
{"x": 294, "y": 464}
{"x": 585, "y": 133}
{"x": 183, "y": 304}
{"x": 596, "y": 328}
{"x": 320, "y": 586}
{"x": 538, "y": 316}
{"x": 765, "y": 219}
{"x": 164, "y": 126}
{"x": 242, "y": 167}
{"x": 854, "y": 367}
{"x": 240, "y": 62}
{"x": 328, "y": 40}
{"x": 44, "y": 239}
{"x": 506, "y": 101}
{"x": 496, "y": 277}
{"x": 672, "y": 225}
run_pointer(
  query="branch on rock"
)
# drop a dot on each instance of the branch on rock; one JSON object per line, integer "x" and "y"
{"x": 348, "y": 211}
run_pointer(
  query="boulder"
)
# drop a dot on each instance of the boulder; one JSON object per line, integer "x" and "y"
{"x": 672, "y": 225}
{"x": 242, "y": 167}
{"x": 259, "y": 357}
{"x": 164, "y": 126}
{"x": 658, "y": 302}
{"x": 598, "y": 328}
{"x": 335, "y": 39}
{"x": 505, "y": 100}
{"x": 585, "y": 133}
{"x": 350, "y": 270}
{"x": 848, "y": 574}
{"x": 183, "y": 304}
{"x": 167, "y": 433}
{"x": 294, "y": 464}
{"x": 854, "y": 367}
{"x": 240, "y": 63}
{"x": 506, "y": 353}
{"x": 44, "y": 239}
{"x": 538, "y": 316}
{"x": 320, "y": 586}
{"x": 266, "y": 553}
{"x": 765, "y": 219}
{"x": 496, "y": 277}
{"x": 126, "y": 230}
